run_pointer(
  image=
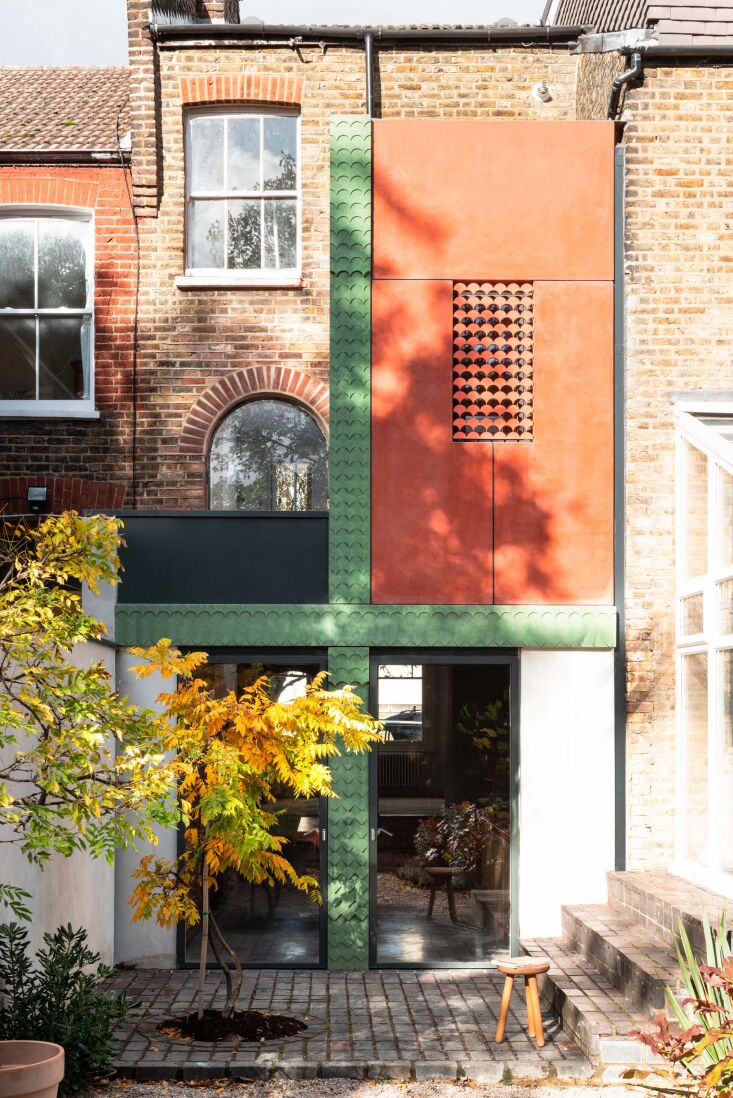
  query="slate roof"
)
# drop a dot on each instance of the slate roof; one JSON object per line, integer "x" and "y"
{"x": 672, "y": 22}
{"x": 63, "y": 109}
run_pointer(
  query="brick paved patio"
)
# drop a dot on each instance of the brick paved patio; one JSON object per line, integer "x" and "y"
{"x": 424, "y": 1025}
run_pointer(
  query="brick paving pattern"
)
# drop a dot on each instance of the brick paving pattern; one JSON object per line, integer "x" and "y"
{"x": 437, "y": 1024}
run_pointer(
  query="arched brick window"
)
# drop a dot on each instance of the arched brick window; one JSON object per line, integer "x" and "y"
{"x": 268, "y": 455}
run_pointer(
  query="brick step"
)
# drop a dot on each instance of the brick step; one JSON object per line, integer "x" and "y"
{"x": 660, "y": 901}
{"x": 630, "y": 955}
{"x": 594, "y": 1013}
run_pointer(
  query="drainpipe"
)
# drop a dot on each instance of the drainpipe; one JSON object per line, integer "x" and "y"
{"x": 634, "y": 71}
{"x": 369, "y": 62}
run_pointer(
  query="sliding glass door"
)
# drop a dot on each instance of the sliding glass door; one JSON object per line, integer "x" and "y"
{"x": 442, "y": 811}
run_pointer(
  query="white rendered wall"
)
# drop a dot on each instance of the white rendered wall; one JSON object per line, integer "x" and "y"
{"x": 77, "y": 890}
{"x": 566, "y": 803}
{"x": 144, "y": 944}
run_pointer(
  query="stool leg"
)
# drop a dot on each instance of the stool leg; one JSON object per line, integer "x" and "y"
{"x": 534, "y": 992}
{"x": 431, "y": 901}
{"x": 506, "y": 996}
{"x": 530, "y": 1006}
{"x": 451, "y": 901}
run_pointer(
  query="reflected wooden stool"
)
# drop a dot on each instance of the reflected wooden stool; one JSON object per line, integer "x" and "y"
{"x": 530, "y": 968}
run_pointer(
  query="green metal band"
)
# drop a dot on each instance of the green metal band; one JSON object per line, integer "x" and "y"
{"x": 348, "y": 834}
{"x": 350, "y": 430}
{"x": 368, "y": 626}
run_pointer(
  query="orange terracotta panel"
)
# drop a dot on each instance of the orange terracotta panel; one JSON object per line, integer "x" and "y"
{"x": 553, "y": 515}
{"x": 486, "y": 199}
{"x": 431, "y": 497}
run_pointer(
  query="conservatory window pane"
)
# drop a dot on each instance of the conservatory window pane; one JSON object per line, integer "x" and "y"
{"x": 245, "y": 234}
{"x": 280, "y": 234}
{"x": 63, "y": 358}
{"x": 207, "y": 233}
{"x": 695, "y": 732}
{"x": 280, "y": 152}
{"x": 691, "y": 615}
{"x": 243, "y": 157}
{"x": 696, "y": 513}
{"x": 725, "y": 606}
{"x": 725, "y": 549}
{"x": 725, "y": 767}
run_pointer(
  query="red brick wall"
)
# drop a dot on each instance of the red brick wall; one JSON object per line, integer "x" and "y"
{"x": 97, "y": 450}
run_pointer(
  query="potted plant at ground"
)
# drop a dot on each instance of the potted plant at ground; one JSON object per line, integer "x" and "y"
{"x": 80, "y": 768}
{"x": 231, "y": 757}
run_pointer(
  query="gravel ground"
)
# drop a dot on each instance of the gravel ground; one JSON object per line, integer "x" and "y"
{"x": 328, "y": 1088}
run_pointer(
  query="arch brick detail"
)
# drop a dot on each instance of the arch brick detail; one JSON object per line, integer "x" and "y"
{"x": 48, "y": 190}
{"x": 242, "y": 88}
{"x": 241, "y": 385}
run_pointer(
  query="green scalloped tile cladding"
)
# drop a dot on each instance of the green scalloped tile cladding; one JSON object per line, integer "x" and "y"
{"x": 348, "y": 833}
{"x": 340, "y": 625}
{"x": 350, "y": 429}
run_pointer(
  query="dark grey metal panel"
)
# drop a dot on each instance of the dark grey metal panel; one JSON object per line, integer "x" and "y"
{"x": 211, "y": 557}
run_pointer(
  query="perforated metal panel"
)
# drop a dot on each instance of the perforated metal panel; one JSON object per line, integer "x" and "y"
{"x": 492, "y": 361}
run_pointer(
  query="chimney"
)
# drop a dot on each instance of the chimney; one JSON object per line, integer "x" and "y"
{"x": 143, "y": 108}
{"x": 218, "y": 11}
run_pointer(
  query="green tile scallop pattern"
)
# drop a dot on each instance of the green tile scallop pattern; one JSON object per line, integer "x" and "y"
{"x": 348, "y": 833}
{"x": 341, "y": 625}
{"x": 350, "y": 450}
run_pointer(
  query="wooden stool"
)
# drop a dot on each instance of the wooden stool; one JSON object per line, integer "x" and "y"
{"x": 530, "y": 969}
{"x": 444, "y": 875}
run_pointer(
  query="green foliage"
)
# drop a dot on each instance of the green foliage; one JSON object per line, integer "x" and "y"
{"x": 14, "y": 899}
{"x": 82, "y": 769}
{"x": 57, "y": 999}
{"x": 698, "y": 1045}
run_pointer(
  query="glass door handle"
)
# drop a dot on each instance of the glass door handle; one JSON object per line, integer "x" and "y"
{"x": 323, "y": 835}
{"x": 380, "y": 831}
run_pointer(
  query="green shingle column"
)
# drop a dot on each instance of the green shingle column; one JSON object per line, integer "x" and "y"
{"x": 348, "y": 833}
{"x": 350, "y": 429}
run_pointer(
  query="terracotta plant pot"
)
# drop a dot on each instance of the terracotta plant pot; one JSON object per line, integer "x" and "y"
{"x": 30, "y": 1069}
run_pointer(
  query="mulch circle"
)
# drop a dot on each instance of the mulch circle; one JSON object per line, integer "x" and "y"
{"x": 245, "y": 1025}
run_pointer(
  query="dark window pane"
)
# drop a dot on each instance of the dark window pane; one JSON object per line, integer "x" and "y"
{"x": 206, "y": 155}
{"x": 280, "y": 152}
{"x": 62, "y": 276}
{"x": 269, "y": 455}
{"x": 63, "y": 358}
{"x": 281, "y": 249}
{"x": 17, "y": 358}
{"x": 244, "y": 234}
{"x": 207, "y": 234}
{"x": 16, "y": 263}
{"x": 243, "y": 154}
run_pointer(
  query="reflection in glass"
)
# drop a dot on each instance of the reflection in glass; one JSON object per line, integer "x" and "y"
{"x": 695, "y": 732}
{"x": 245, "y": 234}
{"x": 17, "y": 246}
{"x": 207, "y": 233}
{"x": 281, "y": 235}
{"x": 696, "y": 514}
{"x": 17, "y": 358}
{"x": 443, "y": 847}
{"x": 206, "y": 160}
{"x": 243, "y": 154}
{"x": 62, "y": 264}
{"x": 63, "y": 358}
{"x": 279, "y": 152}
{"x": 266, "y": 924}
{"x": 250, "y": 453}
{"x": 725, "y": 767}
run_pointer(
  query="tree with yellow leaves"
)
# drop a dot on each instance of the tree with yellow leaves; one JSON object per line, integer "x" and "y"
{"x": 231, "y": 757}
{"x": 80, "y": 767}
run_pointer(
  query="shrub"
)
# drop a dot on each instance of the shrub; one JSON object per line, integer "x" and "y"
{"x": 698, "y": 1044}
{"x": 57, "y": 999}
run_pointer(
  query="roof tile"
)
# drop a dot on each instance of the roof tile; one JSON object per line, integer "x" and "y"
{"x": 83, "y": 109}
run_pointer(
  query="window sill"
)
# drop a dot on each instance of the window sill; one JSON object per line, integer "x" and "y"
{"x": 225, "y": 282}
{"x": 47, "y": 409}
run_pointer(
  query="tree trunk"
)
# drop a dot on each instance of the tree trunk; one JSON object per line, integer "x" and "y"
{"x": 232, "y": 991}
{"x": 204, "y": 932}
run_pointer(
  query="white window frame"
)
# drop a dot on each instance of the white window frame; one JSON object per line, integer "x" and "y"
{"x": 56, "y": 409}
{"x": 711, "y": 641}
{"x": 203, "y": 277}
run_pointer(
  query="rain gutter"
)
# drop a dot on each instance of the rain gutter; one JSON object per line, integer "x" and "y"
{"x": 497, "y": 35}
